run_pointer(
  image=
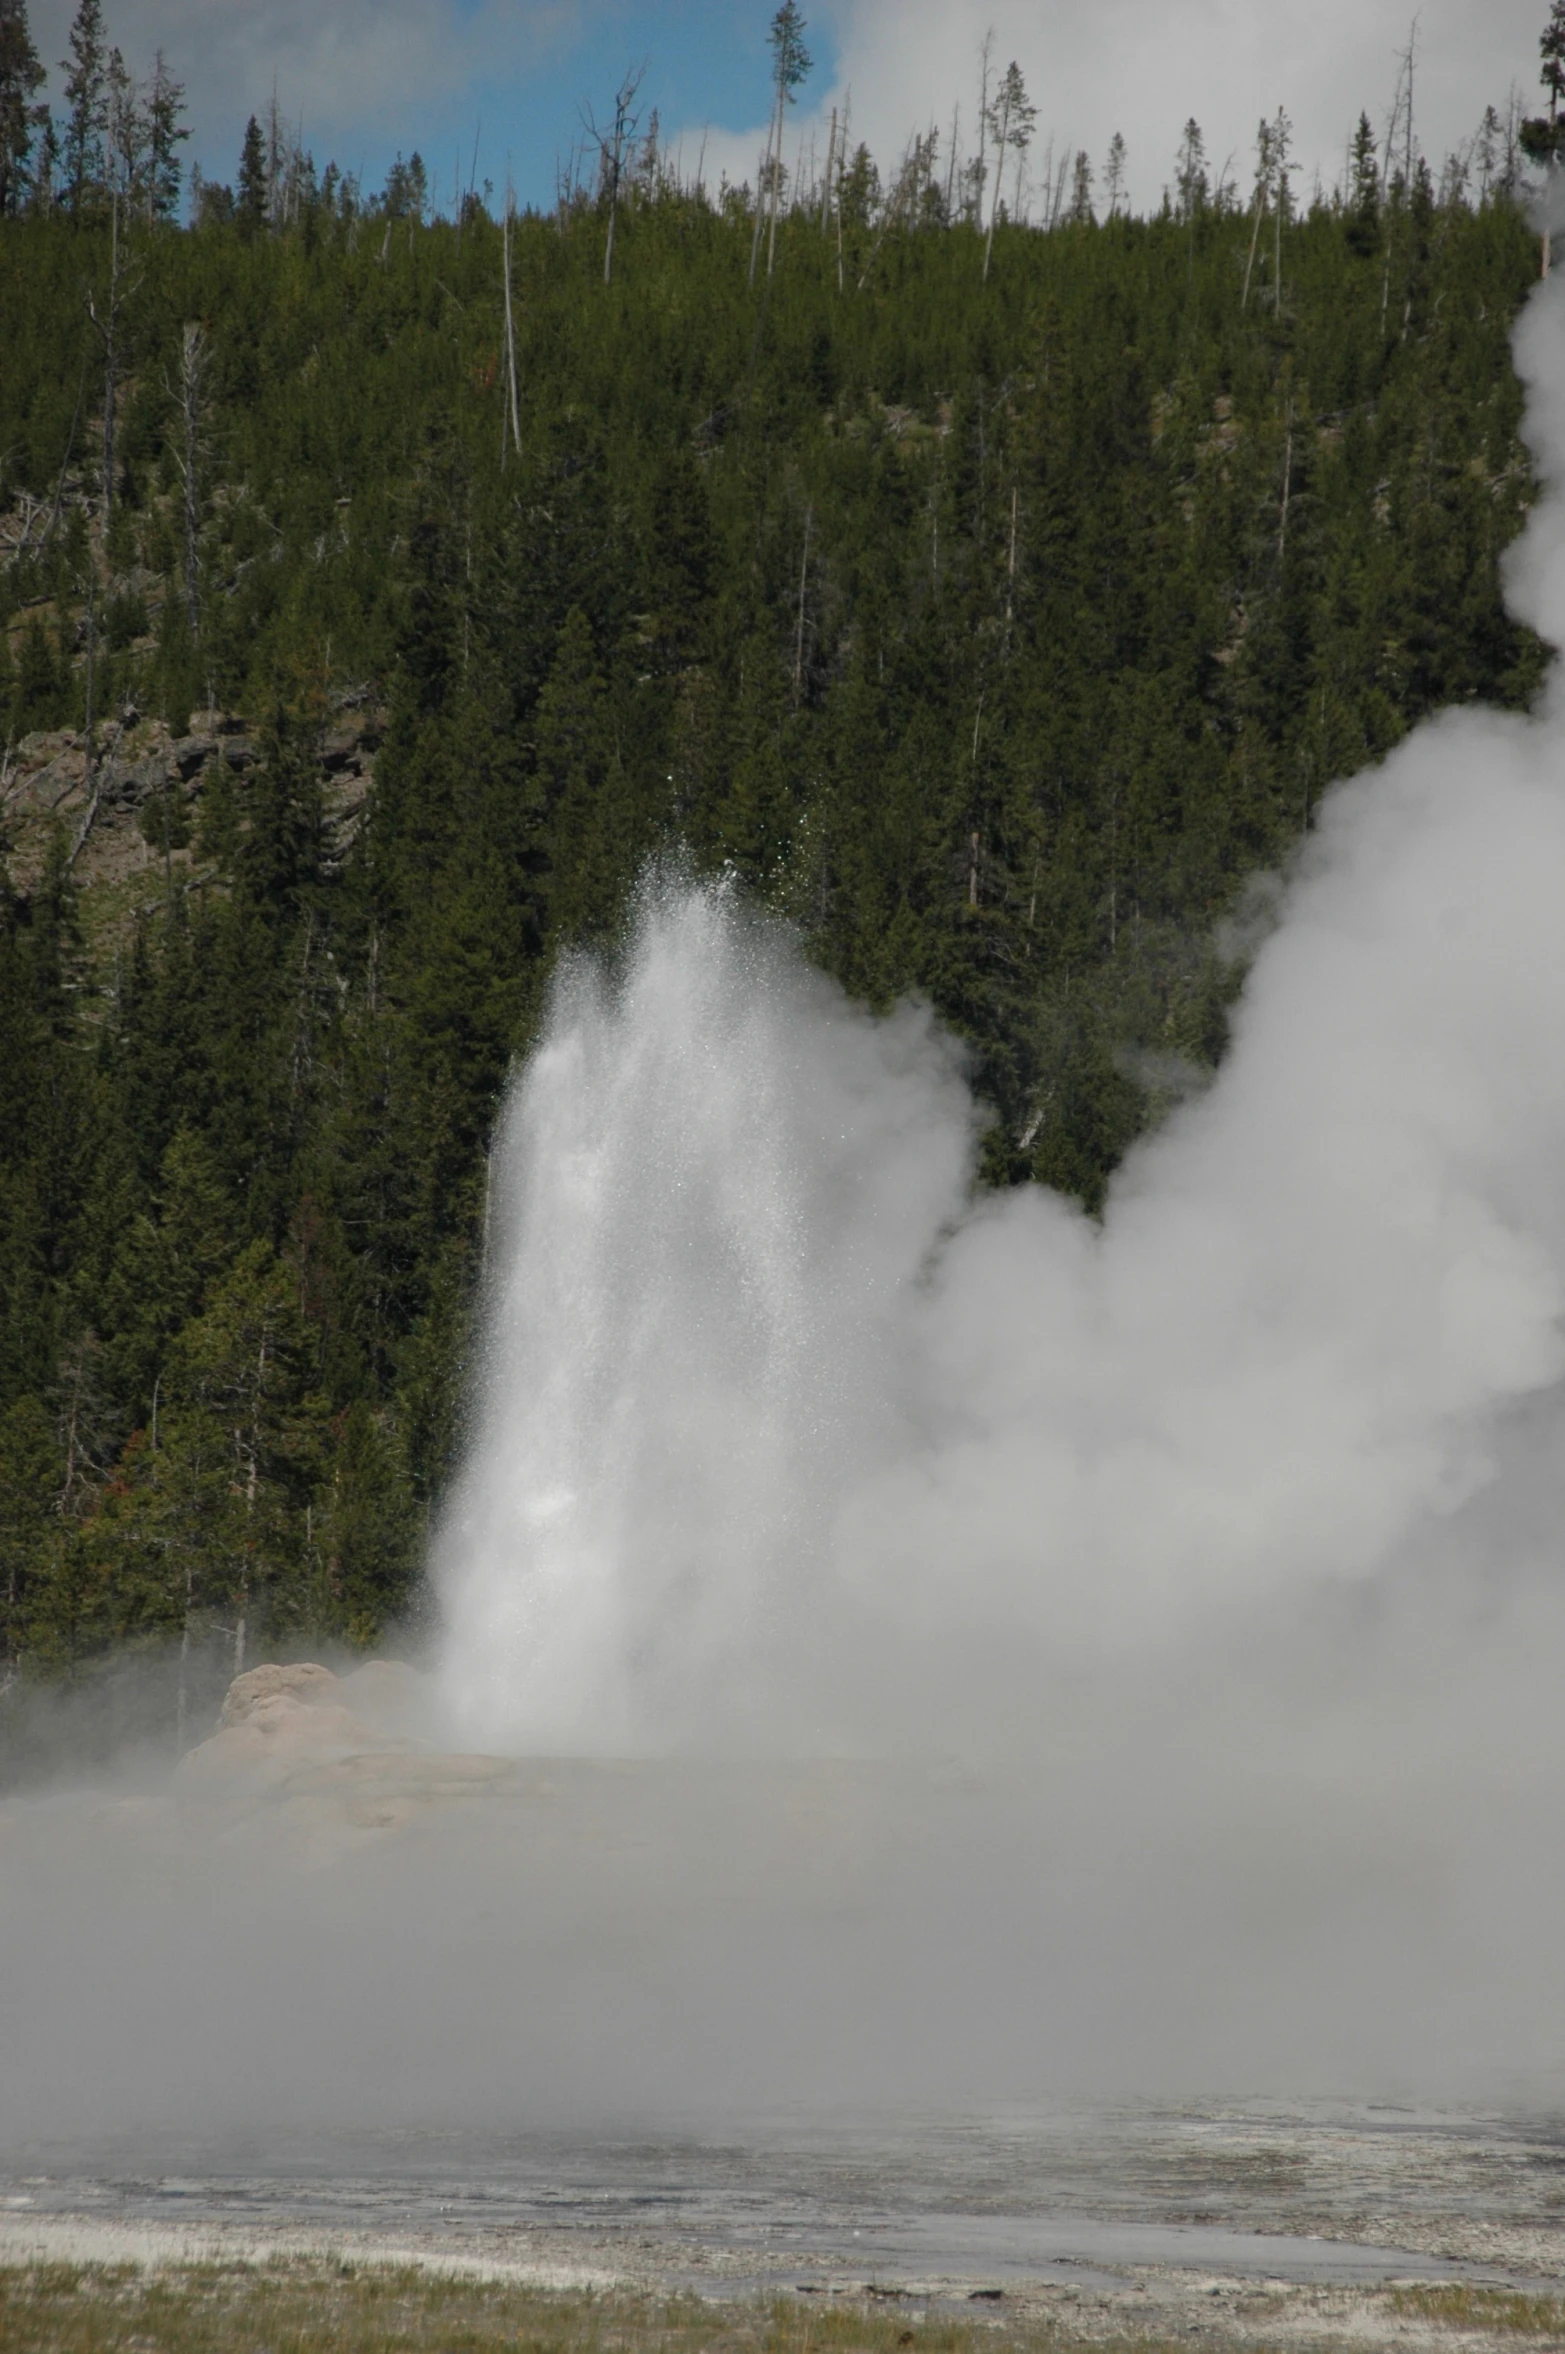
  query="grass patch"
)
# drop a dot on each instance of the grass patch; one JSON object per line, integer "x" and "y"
{"x": 1492, "y": 2310}
{"x": 310, "y": 2307}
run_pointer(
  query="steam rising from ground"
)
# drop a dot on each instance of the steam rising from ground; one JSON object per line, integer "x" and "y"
{"x": 1112, "y": 1659}
{"x": 781, "y": 1438}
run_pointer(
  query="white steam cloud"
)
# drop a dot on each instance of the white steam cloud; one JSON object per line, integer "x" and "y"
{"x": 778, "y": 1430}
{"x": 949, "y": 1651}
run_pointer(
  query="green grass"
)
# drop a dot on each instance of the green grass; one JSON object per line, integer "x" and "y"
{"x": 1494, "y": 2311}
{"x": 294, "y": 2307}
{"x": 309, "y": 2306}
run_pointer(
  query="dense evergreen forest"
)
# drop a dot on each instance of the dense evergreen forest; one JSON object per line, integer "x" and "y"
{"x": 378, "y": 592}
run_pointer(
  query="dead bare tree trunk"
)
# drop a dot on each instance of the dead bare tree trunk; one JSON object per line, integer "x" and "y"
{"x": 182, "y": 1702}
{"x": 999, "y": 174}
{"x": 251, "y": 1453}
{"x": 760, "y": 201}
{"x": 798, "y": 638}
{"x": 1057, "y": 201}
{"x": 1249, "y": 267}
{"x": 192, "y": 380}
{"x": 1401, "y": 114}
{"x": 974, "y": 838}
{"x": 110, "y": 359}
{"x": 1263, "y": 176}
{"x": 770, "y": 162}
{"x": 91, "y": 779}
{"x": 842, "y": 154}
{"x": 775, "y": 192}
{"x": 985, "y": 52}
{"x": 1280, "y": 159}
{"x": 612, "y": 148}
{"x": 107, "y": 326}
{"x": 510, "y": 418}
{"x": 1010, "y": 568}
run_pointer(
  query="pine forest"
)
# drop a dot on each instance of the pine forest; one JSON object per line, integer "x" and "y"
{"x": 992, "y": 586}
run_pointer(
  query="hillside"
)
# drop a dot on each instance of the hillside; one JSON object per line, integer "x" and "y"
{"x": 996, "y": 631}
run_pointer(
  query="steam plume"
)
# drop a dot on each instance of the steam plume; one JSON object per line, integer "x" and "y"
{"x": 783, "y": 1440}
{"x": 1218, "y": 1545}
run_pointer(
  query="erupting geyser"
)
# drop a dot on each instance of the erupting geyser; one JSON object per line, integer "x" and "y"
{"x": 1115, "y": 1658}
{"x": 714, "y": 1186}
{"x": 785, "y": 1442}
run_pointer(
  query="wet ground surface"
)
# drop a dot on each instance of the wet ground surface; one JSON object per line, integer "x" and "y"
{"x": 1317, "y": 2196}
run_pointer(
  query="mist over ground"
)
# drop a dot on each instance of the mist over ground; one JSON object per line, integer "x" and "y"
{"x": 977, "y": 1653}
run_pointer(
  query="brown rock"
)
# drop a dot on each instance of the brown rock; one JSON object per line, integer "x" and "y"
{"x": 340, "y": 744}
{"x": 303, "y": 1681}
{"x": 279, "y": 1722}
{"x": 190, "y": 754}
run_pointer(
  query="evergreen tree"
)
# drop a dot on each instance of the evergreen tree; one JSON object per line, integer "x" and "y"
{"x": 406, "y": 193}
{"x": 370, "y": 1531}
{"x": 1190, "y": 177}
{"x": 38, "y": 695}
{"x": 1114, "y": 174}
{"x": 164, "y": 1262}
{"x": 86, "y": 98}
{"x": 29, "y": 1490}
{"x": 252, "y": 193}
{"x": 1363, "y": 221}
{"x": 1488, "y": 152}
{"x": 791, "y": 65}
{"x": 21, "y": 75}
{"x": 1543, "y": 136}
{"x": 1009, "y": 122}
{"x": 246, "y": 1435}
{"x": 125, "y": 133}
{"x": 42, "y": 192}
{"x": 166, "y": 128}
{"x": 791, "y": 61}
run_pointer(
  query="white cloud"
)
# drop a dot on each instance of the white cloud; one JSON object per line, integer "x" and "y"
{"x": 372, "y": 73}
{"x": 1141, "y": 68}
{"x": 341, "y": 67}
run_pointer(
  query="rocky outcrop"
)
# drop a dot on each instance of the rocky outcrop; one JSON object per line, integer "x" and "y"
{"x": 315, "y": 1756}
{"x": 277, "y": 1718}
{"x": 302, "y": 1681}
{"x": 140, "y": 811}
{"x": 311, "y": 1769}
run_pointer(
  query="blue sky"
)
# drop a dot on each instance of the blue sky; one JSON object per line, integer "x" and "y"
{"x": 370, "y": 78}
{"x": 367, "y": 78}
{"x": 703, "y": 66}
{"x": 525, "y": 103}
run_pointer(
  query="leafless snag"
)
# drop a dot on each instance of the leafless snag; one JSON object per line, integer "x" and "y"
{"x": 123, "y": 281}
{"x": 615, "y": 150}
{"x": 190, "y": 396}
{"x": 510, "y": 417}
